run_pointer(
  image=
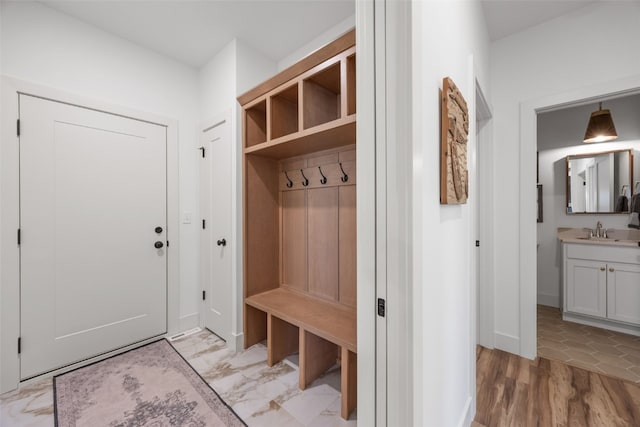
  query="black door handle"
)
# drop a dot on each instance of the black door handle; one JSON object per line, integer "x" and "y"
{"x": 158, "y": 244}
{"x": 222, "y": 242}
{"x": 158, "y": 230}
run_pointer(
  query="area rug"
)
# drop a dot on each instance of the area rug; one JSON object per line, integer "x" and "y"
{"x": 149, "y": 386}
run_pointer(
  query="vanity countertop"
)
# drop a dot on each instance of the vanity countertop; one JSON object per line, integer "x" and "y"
{"x": 615, "y": 237}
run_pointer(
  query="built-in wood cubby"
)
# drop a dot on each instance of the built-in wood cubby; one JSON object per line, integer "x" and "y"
{"x": 322, "y": 96}
{"x": 299, "y": 195}
{"x": 255, "y": 124}
{"x": 284, "y": 112}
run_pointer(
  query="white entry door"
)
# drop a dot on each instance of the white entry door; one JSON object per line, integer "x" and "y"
{"x": 215, "y": 242}
{"x": 92, "y": 220}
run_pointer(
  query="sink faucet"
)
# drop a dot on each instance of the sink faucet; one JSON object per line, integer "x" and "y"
{"x": 600, "y": 232}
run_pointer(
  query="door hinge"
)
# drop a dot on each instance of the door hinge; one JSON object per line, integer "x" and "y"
{"x": 203, "y": 224}
{"x": 202, "y": 148}
{"x": 19, "y": 345}
{"x": 204, "y": 295}
{"x": 382, "y": 307}
{"x": 477, "y": 243}
{"x": 19, "y": 237}
{"x": 167, "y": 243}
{"x": 18, "y": 127}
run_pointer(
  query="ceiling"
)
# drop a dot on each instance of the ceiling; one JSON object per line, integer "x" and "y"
{"x": 506, "y": 17}
{"x": 193, "y": 32}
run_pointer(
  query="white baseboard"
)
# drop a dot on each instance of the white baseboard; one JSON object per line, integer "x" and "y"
{"x": 507, "y": 343}
{"x": 602, "y": 323}
{"x": 189, "y": 321}
{"x": 238, "y": 341}
{"x": 466, "y": 417}
{"x": 549, "y": 300}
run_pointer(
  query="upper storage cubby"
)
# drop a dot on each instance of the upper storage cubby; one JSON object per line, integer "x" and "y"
{"x": 321, "y": 93}
{"x": 256, "y": 124}
{"x": 305, "y": 108}
{"x": 284, "y": 112}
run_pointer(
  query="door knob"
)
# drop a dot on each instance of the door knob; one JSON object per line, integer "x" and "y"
{"x": 602, "y": 269}
{"x": 611, "y": 270}
{"x": 158, "y": 244}
{"x": 158, "y": 230}
{"x": 222, "y": 242}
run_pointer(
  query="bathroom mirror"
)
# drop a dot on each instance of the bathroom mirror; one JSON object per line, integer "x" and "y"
{"x": 599, "y": 182}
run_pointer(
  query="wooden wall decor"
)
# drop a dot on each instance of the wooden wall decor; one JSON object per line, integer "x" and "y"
{"x": 454, "y": 132}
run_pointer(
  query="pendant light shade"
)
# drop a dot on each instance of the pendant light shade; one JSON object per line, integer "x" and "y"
{"x": 601, "y": 127}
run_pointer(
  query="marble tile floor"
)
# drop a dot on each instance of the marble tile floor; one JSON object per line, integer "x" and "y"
{"x": 260, "y": 395}
{"x": 597, "y": 350}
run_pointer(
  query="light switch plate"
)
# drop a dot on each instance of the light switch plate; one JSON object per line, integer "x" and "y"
{"x": 186, "y": 217}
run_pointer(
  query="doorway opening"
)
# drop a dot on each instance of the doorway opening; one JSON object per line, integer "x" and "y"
{"x": 587, "y": 278}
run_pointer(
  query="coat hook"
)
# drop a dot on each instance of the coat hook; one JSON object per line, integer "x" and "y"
{"x": 289, "y": 183}
{"x": 324, "y": 178}
{"x": 344, "y": 177}
{"x": 306, "y": 181}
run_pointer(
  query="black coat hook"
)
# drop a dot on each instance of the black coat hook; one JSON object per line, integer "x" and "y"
{"x": 344, "y": 177}
{"x": 306, "y": 181}
{"x": 324, "y": 178}
{"x": 289, "y": 183}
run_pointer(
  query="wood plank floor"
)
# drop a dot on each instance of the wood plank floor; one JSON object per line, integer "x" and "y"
{"x": 513, "y": 391}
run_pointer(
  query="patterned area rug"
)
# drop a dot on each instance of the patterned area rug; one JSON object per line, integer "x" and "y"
{"x": 149, "y": 386}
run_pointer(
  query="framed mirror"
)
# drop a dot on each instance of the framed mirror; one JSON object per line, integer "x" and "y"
{"x": 599, "y": 182}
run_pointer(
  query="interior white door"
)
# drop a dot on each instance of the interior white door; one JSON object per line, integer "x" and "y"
{"x": 92, "y": 192}
{"x": 215, "y": 243}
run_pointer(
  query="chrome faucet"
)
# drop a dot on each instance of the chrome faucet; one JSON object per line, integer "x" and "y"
{"x": 600, "y": 232}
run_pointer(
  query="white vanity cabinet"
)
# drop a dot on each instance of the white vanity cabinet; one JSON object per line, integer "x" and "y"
{"x": 623, "y": 292}
{"x": 602, "y": 286}
{"x": 586, "y": 288}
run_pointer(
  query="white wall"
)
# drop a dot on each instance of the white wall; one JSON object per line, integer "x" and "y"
{"x": 326, "y": 37}
{"x": 445, "y": 35}
{"x": 42, "y": 46}
{"x": 552, "y": 58}
{"x": 217, "y": 82}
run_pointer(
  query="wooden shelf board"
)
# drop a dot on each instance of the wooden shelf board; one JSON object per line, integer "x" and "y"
{"x": 327, "y": 320}
{"x": 337, "y": 133}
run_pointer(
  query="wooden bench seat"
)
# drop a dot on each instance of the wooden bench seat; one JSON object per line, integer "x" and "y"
{"x": 322, "y": 333}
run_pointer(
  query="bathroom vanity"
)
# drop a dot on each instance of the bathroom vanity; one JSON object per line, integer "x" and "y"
{"x": 601, "y": 279}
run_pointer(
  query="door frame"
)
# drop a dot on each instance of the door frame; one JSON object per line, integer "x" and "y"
{"x": 528, "y": 193}
{"x": 484, "y": 258}
{"x": 384, "y": 262}
{"x": 226, "y": 117}
{"x": 10, "y": 218}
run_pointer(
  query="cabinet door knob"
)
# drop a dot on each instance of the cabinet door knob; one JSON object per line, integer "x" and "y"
{"x": 602, "y": 269}
{"x": 611, "y": 270}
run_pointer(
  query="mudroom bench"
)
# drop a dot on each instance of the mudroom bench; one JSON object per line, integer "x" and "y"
{"x": 322, "y": 332}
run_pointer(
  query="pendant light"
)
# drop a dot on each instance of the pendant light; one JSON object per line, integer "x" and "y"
{"x": 601, "y": 127}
